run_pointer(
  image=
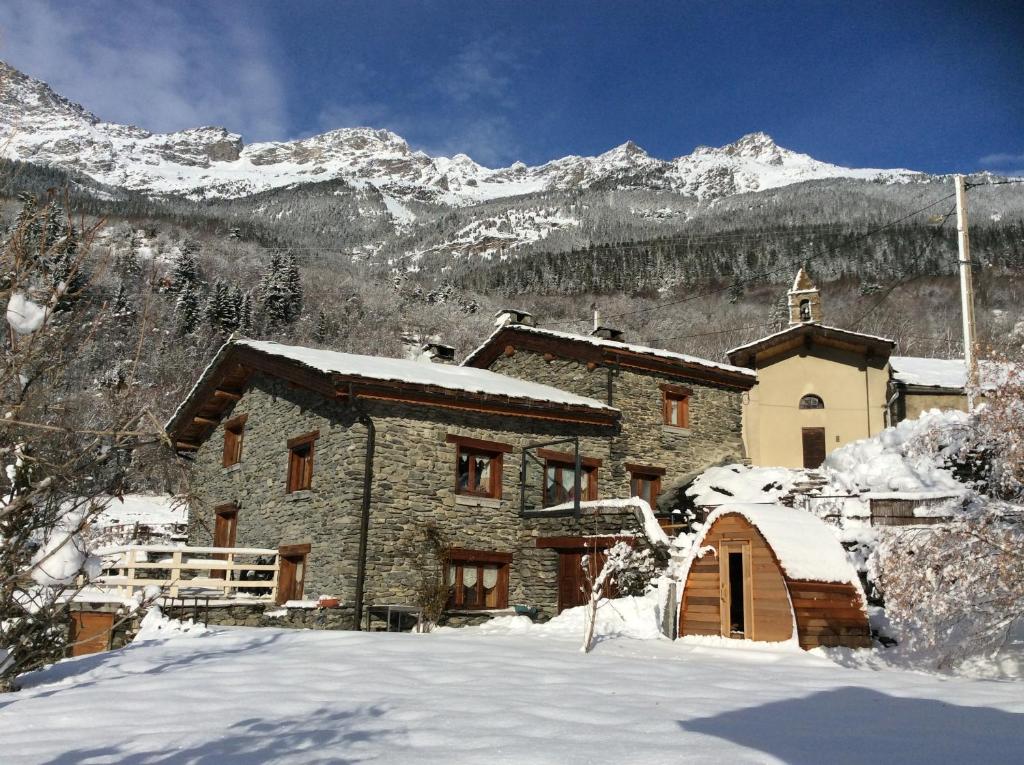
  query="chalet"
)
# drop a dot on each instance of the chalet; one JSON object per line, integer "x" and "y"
{"x": 818, "y": 387}
{"x": 680, "y": 413}
{"x": 336, "y": 460}
{"x": 919, "y": 384}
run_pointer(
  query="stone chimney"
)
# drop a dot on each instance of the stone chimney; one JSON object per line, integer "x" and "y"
{"x": 608, "y": 333}
{"x": 439, "y": 353}
{"x": 514, "y": 316}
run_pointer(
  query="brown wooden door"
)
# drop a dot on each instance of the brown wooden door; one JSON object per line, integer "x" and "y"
{"x": 90, "y": 631}
{"x": 291, "y": 580}
{"x": 224, "y": 531}
{"x": 573, "y": 582}
{"x": 814, "y": 447}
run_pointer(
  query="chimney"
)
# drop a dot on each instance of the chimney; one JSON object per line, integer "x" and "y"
{"x": 439, "y": 353}
{"x": 608, "y": 333}
{"x": 514, "y": 316}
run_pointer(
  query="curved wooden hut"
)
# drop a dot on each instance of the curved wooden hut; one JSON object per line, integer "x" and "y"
{"x": 773, "y": 569}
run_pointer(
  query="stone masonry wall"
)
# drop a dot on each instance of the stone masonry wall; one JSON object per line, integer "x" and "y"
{"x": 414, "y": 481}
{"x": 715, "y": 426}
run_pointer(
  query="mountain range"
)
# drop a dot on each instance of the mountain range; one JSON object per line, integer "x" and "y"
{"x": 39, "y": 126}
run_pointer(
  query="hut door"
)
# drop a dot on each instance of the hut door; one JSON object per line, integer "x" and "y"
{"x": 224, "y": 531}
{"x": 737, "y": 590}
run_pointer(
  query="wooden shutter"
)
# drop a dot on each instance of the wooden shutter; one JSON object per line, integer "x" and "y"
{"x": 814, "y": 447}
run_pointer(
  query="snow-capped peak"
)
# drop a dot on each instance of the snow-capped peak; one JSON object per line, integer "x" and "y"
{"x": 38, "y": 125}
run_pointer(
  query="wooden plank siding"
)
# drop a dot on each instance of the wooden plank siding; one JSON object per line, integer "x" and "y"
{"x": 826, "y": 614}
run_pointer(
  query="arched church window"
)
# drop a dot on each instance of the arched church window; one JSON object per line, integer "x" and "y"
{"x": 805, "y": 310}
{"x": 810, "y": 401}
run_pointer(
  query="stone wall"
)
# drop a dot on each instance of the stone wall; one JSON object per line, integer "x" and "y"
{"x": 413, "y": 483}
{"x": 715, "y": 426}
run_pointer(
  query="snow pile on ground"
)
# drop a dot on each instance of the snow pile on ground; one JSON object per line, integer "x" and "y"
{"x": 146, "y": 509}
{"x": 742, "y": 483}
{"x": 636, "y": 618}
{"x": 904, "y": 458}
{"x": 247, "y": 695}
{"x": 157, "y": 626}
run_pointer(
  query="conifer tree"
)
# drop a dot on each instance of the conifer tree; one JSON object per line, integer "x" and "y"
{"x": 185, "y": 271}
{"x": 187, "y": 310}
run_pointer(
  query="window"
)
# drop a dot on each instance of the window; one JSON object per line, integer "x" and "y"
{"x": 560, "y": 477}
{"x": 676, "y": 405}
{"x": 300, "y": 461}
{"x": 478, "y": 579}
{"x": 805, "y": 310}
{"x": 645, "y": 482}
{"x": 233, "y": 431}
{"x": 810, "y": 401}
{"x": 478, "y": 466}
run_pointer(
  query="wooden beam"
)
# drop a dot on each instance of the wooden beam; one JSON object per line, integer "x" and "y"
{"x": 186, "y": 446}
{"x": 221, "y": 393}
{"x": 204, "y": 421}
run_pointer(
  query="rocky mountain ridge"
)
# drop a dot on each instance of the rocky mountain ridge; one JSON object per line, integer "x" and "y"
{"x": 39, "y": 126}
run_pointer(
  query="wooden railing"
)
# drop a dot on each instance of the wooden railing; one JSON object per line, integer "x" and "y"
{"x": 176, "y": 570}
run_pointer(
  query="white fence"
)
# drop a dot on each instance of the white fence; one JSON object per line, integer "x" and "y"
{"x": 216, "y": 571}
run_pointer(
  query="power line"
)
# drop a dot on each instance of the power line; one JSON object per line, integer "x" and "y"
{"x": 740, "y": 282}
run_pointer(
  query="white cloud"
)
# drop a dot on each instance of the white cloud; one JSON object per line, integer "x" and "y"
{"x": 1000, "y": 160}
{"x": 149, "y": 64}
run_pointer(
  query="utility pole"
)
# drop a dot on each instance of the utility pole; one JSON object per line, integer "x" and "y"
{"x": 966, "y": 290}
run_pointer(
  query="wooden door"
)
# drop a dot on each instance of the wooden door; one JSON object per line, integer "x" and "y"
{"x": 90, "y": 631}
{"x": 573, "y": 582}
{"x": 224, "y": 531}
{"x": 737, "y": 605}
{"x": 291, "y": 580}
{"x": 814, "y": 447}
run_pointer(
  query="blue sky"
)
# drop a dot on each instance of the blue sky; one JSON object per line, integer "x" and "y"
{"x": 933, "y": 86}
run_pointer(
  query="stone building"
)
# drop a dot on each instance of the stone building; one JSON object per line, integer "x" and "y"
{"x": 680, "y": 414}
{"x": 341, "y": 461}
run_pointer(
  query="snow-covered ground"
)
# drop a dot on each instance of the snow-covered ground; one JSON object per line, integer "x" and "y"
{"x": 505, "y": 694}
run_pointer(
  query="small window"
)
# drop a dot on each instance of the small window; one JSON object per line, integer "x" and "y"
{"x": 300, "y": 462}
{"x": 676, "y": 406}
{"x": 810, "y": 401}
{"x": 478, "y": 579}
{"x": 646, "y": 486}
{"x": 478, "y": 467}
{"x": 560, "y": 482}
{"x": 233, "y": 432}
{"x": 805, "y": 310}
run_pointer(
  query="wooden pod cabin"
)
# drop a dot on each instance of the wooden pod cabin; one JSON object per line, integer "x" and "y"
{"x": 773, "y": 569}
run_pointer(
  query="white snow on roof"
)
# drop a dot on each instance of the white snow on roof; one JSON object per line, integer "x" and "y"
{"x": 446, "y": 376}
{"x": 725, "y": 484}
{"x": 147, "y": 509}
{"x": 614, "y": 345}
{"x": 945, "y": 373}
{"x": 652, "y": 529}
{"x": 806, "y": 547}
{"x": 808, "y": 324}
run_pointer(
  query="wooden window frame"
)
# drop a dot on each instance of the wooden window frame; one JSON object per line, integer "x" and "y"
{"x": 652, "y": 475}
{"x": 492, "y": 450}
{"x": 670, "y": 393}
{"x": 234, "y": 437}
{"x": 460, "y": 559}
{"x": 562, "y": 460}
{"x": 301, "y": 450}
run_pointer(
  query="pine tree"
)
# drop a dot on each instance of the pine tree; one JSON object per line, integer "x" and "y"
{"x": 293, "y": 281}
{"x": 326, "y": 328}
{"x": 121, "y": 306}
{"x": 246, "y": 320}
{"x": 126, "y": 262}
{"x": 187, "y": 310}
{"x": 185, "y": 271}
{"x": 281, "y": 292}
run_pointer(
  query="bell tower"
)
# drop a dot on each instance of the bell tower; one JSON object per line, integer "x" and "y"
{"x": 804, "y": 300}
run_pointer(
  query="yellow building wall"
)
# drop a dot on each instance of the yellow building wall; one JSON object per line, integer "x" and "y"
{"x": 853, "y": 389}
{"x": 916, "y": 403}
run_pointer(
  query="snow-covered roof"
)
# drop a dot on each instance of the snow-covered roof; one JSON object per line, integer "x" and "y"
{"x": 798, "y": 327}
{"x": 613, "y": 345}
{"x": 457, "y": 378}
{"x": 382, "y": 369}
{"x": 652, "y": 529}
{"x": 949, "y": 374}
{"x": 805, "y": 546}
